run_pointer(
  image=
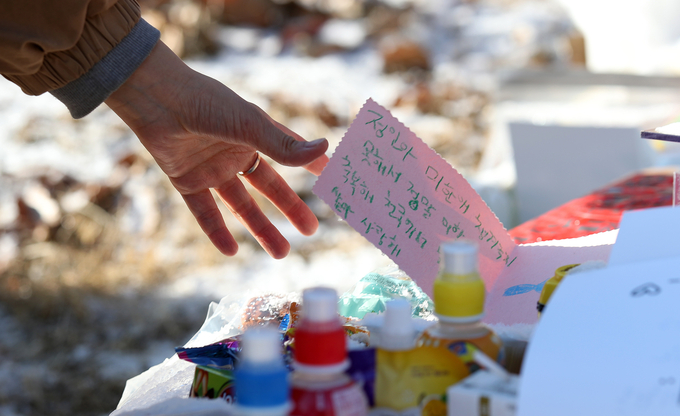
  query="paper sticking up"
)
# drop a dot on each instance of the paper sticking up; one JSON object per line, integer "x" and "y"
{"x": 647, "y": 234}
{"x": 406, "y": 199}
{"x": 512, "y": 300}
{"x": 607, "y": 344}
{"x": 608, "y": 341}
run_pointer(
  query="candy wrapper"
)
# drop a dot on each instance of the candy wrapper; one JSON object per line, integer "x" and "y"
{"x": 213, "y": 383}
{"x": 220, "y": 355}
{"x": 373, "y": 290}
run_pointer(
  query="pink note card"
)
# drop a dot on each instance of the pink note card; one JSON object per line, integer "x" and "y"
{"x": 406, "y": 199}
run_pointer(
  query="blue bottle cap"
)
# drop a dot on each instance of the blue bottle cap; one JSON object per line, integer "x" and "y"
{"x": 260, "y": 378}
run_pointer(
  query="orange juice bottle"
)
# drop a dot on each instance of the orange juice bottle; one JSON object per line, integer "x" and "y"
{"x": 450, "y": 344}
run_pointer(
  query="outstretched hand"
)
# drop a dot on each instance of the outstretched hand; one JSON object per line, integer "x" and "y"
{"x": 202, "y": 135}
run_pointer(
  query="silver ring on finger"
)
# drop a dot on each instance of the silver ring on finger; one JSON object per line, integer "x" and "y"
{"x": 252, "y": 168}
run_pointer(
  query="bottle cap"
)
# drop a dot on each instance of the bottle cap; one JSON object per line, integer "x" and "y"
{"x": 261, "y": 346}
{"x": 320, "y": 304}
{"x": 320, "y": 344}
{"x": 397, "y": 332}
{"x": 260, "y": 378}
{"x": 458, "y": 257}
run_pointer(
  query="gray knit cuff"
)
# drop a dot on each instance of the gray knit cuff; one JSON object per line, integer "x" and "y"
{"x": 84, "y": 94}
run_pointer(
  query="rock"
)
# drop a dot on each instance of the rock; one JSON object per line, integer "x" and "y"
{"x": 400, "y": 54}
{"x": 299, "y": 30}
{"x": 329, "y": 119}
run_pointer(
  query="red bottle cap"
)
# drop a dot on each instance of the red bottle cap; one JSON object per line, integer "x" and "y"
{"x": 320, "y": 344}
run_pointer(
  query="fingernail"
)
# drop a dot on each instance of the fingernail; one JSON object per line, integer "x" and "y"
{"x": 314, "y": 143}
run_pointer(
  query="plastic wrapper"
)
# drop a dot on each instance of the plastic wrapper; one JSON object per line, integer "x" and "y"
{"x": 223, "y": 354}
{"x": 373, "y": 290}
{"x": 164, "y": 389}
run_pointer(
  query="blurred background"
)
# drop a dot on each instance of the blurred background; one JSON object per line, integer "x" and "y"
{"x": 103, "y": 270}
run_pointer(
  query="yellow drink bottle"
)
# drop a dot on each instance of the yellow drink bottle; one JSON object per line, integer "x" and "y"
{"x": 551, "y": 284}
{"x": 396, "y": 388}
{"x": 450, "y": 344}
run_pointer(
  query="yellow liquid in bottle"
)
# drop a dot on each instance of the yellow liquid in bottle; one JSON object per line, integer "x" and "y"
{"x": 459, "y": 296}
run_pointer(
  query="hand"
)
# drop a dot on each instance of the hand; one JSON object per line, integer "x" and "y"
{"x": 202, "y": 134}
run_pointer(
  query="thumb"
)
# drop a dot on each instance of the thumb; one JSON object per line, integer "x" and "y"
{"x": 290, "y": 149}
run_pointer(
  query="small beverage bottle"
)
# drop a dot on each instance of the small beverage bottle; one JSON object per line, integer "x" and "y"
{"x": 396, "y": 388}
{"x": 459, "y": 304}
{"x": 320, "y": 386}
{"x": 260, "y": 378}
{"x": 550, "y": 285}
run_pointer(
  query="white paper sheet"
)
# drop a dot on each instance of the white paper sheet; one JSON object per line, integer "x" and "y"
{"x": 608, "y": 344}
{"x": 646, "y": 235}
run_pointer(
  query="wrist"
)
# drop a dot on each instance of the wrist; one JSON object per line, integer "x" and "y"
{"x": 147, "y": 93}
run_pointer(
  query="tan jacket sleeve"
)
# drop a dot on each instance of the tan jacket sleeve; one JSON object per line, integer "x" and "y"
{"x": 46, "y": 44}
